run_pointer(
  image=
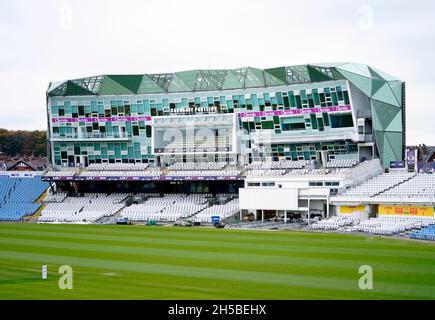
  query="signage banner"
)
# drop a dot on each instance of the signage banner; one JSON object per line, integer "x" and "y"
{"x": 102, "y": 119}
{"x": 415, "y": 211}
{"x": 239, "y": 114}
{"x": 410, "y": 156}
{"x": 351, "y": 209}
{"x": 138, "y": 178}
{"x": 397, "y": 164}
{"x": 293, "y": 111}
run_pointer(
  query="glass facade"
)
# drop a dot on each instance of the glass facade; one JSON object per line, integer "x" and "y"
{"x": 109, "y": 118}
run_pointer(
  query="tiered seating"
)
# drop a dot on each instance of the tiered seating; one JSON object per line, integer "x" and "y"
{"x": 17, "y": 197}
{"x": 198, "y": 166}
{"x": 61, "y": 173}
{"x": 345, "y": 163}
{"x": 422, "y": 185}
{"x": 268, "y": 173}
{"x": 222, "y": 210}
{"x": 296, "y": 172}
{"x": 61, "y": 212}
{"x": 391, "y": 225}
{"x": 427, "y": 233}
{"x": 57, "y": 197}
{"x": 145, "y": 173}
{"x": 117, "y": 166}
{"x": 208, "y": 173}
{"x": 281, "y": 164}
{"x": 378, "y": 184}
{"x": 89, "y": 208}
{"x": 320, "y": 171}
{"x": 333, "y": 223}
{"x": 168, "y": 208}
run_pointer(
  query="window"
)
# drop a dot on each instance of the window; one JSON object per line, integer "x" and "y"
{"x": 325, "y": 119}
{"x": 293, "y": 126}
{"x": 267, "y": 124}
{"x": 148, "y": 131}
{"x": 320, "y": 122}
{"x": 268, "y": 184}
{"x": 341, "y": 121}
{"x": 313, "y": 121}
{"x": 315, "y": 184}
{"x": 253, "y": 184}
{"x": 127, "y": 110}
{"x": 135, "y": 130}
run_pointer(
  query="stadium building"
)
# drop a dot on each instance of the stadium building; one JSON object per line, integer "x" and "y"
{"x": 351, "y": 111}
{"x": 285, "y": 138}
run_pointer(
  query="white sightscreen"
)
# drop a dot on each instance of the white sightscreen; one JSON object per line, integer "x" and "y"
{"x": 268, "y": 198}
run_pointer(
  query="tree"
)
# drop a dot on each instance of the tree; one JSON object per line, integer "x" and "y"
{"x": 23, "y": 143}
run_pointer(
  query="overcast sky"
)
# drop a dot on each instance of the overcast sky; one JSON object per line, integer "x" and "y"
{"x": 50, "y": 40}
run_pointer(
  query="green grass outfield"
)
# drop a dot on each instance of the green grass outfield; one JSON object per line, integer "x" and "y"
{"x": 139, "y": 262}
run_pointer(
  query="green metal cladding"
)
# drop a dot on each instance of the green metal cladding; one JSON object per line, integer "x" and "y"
{"x": 383, "y": 90}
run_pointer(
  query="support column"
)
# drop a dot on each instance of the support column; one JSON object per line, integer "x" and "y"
{"x": 255, "y": 215}
{"x": 241, "y": 215}
{"x": 262, "y": 215}
{"x": 308, "y": 211}
{"x": 327, "y": 207}
{"x": 285, "y": 216}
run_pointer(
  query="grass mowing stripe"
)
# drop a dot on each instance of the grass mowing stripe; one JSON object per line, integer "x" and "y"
{"x": 225, "y": 246}
{"x": 242, "y": 236}
{"x": 261, "y": 278}
{"x": 284, "y": 264}
{"x": 172, "y": 263}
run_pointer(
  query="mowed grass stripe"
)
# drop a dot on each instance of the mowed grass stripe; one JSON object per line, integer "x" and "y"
{"x": 146, "y": 265}
{"x": 237, "y": 261}
{"x": 142, "y": 286}
{"x": 208, "y": 235}
{"x": 345, "y": 246}
{"x": 258, "y": 277}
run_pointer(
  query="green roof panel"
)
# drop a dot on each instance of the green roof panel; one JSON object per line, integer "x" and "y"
{"x": 318, "y": 74}
{"x": 148, "y": 85}
{"x": 231, "y": 81}
{"x": 254, "y": 78}
{"x": 188, "y": 78}
{"x": 73, "y": 89}
{"x": 361, "y": 82}
{"x": 279, "y": 73}
{"x": 357, "y": 68}
{"x": 370, "y": 80}
{"x": 131, "y": 82}
{"x": 111, "y": 87}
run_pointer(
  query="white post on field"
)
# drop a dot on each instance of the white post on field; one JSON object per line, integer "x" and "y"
{"x": 44, "y": 272}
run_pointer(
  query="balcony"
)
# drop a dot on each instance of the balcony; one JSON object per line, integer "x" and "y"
{"x": 94, "y": 136}
{"x": 303, "y": 136}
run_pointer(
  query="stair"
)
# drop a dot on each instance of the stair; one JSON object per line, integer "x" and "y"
{"x": 389, "y": 188}
{"x": 34, "y": 217}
